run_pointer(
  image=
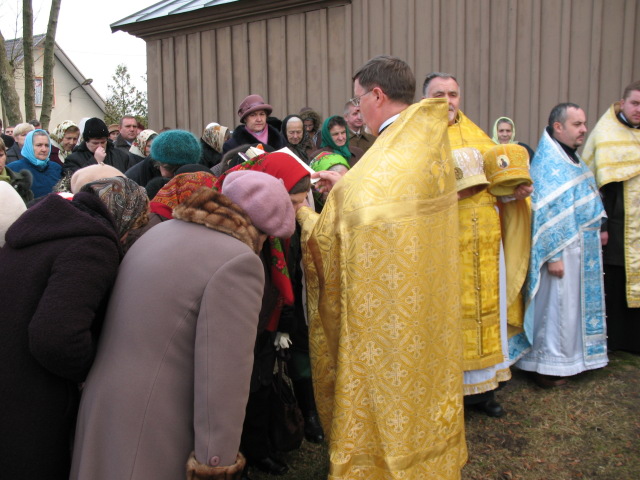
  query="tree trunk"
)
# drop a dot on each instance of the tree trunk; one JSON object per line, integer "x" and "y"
{"x": 10, "y": 98}
{"x": 27, "y": 62}
{"x": 49, "y": 60}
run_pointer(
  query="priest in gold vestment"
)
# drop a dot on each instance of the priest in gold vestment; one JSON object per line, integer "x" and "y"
{"x": 612, "y": 152}
{"x": 383, "y": 293}
{"x": 486, "y": 359}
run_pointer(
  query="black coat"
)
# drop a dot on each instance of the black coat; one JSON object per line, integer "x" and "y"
{"x": 14, "y": 153}
{"x": 58, "y": 266}
{"x": 82, "y": 157}
{"x": 210, "y": 156}
{"x": 143, "y": 172}
{"x": 242, "y": 137}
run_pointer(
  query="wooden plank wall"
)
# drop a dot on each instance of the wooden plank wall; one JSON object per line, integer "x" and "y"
{"x": 512, "y": 57}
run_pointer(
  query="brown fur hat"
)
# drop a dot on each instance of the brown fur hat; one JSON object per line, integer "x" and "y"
{"x": 215, "y": 211}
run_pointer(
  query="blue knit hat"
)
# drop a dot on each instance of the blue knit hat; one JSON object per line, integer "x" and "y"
{"x": 176, "y": 147}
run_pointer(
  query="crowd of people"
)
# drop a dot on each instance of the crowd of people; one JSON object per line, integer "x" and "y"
{"x": 399, "y": 259}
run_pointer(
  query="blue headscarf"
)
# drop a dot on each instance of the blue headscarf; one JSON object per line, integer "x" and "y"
{"x": 27, "y": 151}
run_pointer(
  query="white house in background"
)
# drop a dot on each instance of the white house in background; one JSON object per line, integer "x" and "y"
{"x": 73, "y": 100}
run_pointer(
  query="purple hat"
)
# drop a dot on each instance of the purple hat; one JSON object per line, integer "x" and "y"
{"x": 264, "y": 198}
{"x": 251, "y": 104}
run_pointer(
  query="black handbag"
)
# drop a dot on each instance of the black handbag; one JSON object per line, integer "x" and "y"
{"x": 286, "y": 424}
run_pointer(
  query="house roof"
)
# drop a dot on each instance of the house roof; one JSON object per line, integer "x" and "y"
{"x": 15, "y": 50}
{"x": 180, "y": 15}
{"x": 166, "y": 8}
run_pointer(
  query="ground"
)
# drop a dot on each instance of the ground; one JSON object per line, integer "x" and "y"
{"x": 587, "y": 430}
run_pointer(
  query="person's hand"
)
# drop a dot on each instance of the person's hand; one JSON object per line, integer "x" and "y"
{"x": 328, "y": 179}
{"x": 556, "y": 268}
{"x": 523, "y": 191}
{"x": 282, "y": 341}
{"x": 100, "y": 154}
{"x": 604, "y": 238}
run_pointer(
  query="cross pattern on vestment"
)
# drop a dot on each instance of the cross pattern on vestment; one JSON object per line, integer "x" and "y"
{"x": 415, "y": 299}
{"x": 370, "y": 303}
{"x": 397, "y": 421}
{"x": 416, "y": 346}
{"x": 370, "y": 353}
{"x": 413, "y": 248}
{"x": 392, "y": 276}
{"x": 367, "y": 255}
{"x": 393, "y": 326}
{"x": 396, "y": 374}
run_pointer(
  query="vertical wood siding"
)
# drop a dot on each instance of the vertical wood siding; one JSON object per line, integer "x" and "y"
{"x": 512, "y": 57}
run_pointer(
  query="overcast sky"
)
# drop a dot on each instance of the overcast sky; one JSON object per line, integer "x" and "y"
{"x": 83, "y": 33}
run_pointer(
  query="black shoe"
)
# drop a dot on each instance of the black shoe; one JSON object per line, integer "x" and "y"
{"x": 270, "y": 465}
{"x": 312, "y": 429}
{"x": 491, "y": 408}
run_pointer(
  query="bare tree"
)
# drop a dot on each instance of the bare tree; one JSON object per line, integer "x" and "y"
{"x": 47, "y": 73}
{"x": 10, "y": 98}
{"x": 27, "y": 62}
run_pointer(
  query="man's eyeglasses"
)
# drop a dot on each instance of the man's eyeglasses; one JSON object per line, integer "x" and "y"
{"x": 355, "y": 101}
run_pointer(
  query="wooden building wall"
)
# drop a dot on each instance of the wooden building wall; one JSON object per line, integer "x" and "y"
{"x": 512, "y": 57}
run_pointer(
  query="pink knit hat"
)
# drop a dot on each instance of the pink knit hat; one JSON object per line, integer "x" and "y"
{"x": 251, "y": 104}
{"x": 264, "y": 198}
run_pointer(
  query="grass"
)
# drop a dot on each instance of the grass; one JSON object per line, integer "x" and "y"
{"x": 586, "y": 430}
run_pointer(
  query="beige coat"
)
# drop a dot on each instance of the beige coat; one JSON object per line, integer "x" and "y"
{"x": 175, "y": 356}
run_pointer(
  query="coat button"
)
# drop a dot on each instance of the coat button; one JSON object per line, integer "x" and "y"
{"x": 214, "y": 461}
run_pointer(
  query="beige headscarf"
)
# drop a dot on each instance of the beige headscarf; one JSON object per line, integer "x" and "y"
{"x": 58, "y": 135}
{"x": 214, "y": 135}
{"x": 140, "y": 143}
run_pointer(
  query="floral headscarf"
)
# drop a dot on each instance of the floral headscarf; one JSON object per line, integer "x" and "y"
{"x": 177, "y": 190}
{"x": 125, "y": 199}
{"x": 27, "y": 150}
{"x": 327, "y": 140}
{"x": 140, "y": 143}
{"x": 214, "y": 135}
{"x": 58, "y": 133}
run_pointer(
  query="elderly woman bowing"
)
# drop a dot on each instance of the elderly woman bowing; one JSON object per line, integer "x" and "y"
{"x": 169, "y": 389}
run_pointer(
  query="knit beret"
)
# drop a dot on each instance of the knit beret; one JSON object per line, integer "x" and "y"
{"x": 95, "y": 128}
{"x": 264, "y": 198}
{"x": 176, "y": 147}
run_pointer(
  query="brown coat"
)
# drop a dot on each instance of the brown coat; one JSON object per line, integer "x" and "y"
{"x": 174, "y": 360}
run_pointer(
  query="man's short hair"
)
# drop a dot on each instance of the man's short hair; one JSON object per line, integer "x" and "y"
{"x": 632, "y": 87}
{"x": 391, "y": 74}
{"x": 125, "y": 117}
{"x": 559, "y": 113}
{"x": 347, "y": 108}
{"x": 433, "y": 75}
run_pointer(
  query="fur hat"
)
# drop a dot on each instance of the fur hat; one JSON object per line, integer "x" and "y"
{"x": 251, "y": 104}
{"x": 264, "y": 198}
{"x": 176, "y": 147}
{"x": 95, "y": 128}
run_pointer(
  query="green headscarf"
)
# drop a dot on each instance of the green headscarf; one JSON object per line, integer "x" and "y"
{"x": 326, "y": 160}
{"x": 327, "y": 139}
